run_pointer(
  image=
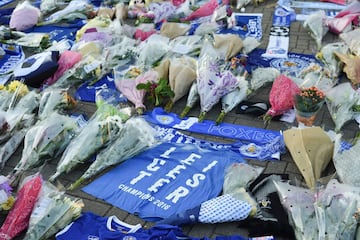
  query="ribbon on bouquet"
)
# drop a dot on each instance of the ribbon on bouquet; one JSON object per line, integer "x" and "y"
{"x": 253, "y": 143}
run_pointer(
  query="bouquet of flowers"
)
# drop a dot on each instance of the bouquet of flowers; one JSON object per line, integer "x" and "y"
{"x": 6, "y": 198}
{"x": 307, "y": 103}
{"x": 281, "y": 97}
{"x": 309, "y": 99}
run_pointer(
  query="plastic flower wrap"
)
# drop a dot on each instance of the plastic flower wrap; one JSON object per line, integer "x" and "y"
{"x": 192, "y": 98}
{"x": 45, "y": 140}
{"x": 66, "y": 61}
{"x": 29, "y": 103}
{"x": 11, "y": 93}
{"x": 89, "y": 68}
{"x": 151, "y": 51}
{"x": 233, "y": 98}
{"x": 316, "y": 75}
{"x": 78, "y": 9}
{"x": 127, "y": 81}
{"x": 182, "y": 73}
{"x": 8, "y": 148}
{"x": 214, "y": 79}
{"x": 135, "y": 136}
{"x": 315, "y": 25}
{"x": 188, "y": 44}
{"x": 347, "y": 163}
{"x": 6, "y": 197}
{"x": 262, "y": 75}
{"x": 48, "y": 6}
{"x": 120, "y": 54}
{"x": 53, "y": 211}
{"x": 54, "y": 100}
{"x": 337, "y": 211}
{"x": 206, "y": 9}
{"x": 98, "y": 22}
{"x": 281, "y": 97}
{"x": 327, "y": 56}
{"x": 103, "y": 128}
{"x": 17, "y": 219}
{"x": 340, "y": 101}
{"x": 299, "y": 204}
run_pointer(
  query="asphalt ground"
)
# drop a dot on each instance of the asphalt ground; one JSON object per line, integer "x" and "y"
{"x": 300, "y": 42}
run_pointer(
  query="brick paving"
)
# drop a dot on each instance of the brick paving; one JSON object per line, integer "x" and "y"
{"x": 300, "y": 42}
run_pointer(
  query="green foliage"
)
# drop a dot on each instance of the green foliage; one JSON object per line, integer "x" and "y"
{"x": 157, "y": 93}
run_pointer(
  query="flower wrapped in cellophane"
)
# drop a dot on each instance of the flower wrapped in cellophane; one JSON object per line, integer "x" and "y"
{"x": 53, "y": 211}
{"x": 214, "y": 79}
{"x": 298, "y": 202}
{"x": 192, "y": 98}
{"x": 127, "y": 83}
{"x": 316, "y": 26}
{"x": 262, "y": 75}
{"x": 54, "y": 100}
{"x": 337, "y": 211}
{"x": 6, "y": 195}
{"x": 340, "y": 101}
{"x": 103, "y": 128}
{"x": 281, "y": 97}
{"x": 11, "y": 93}
{"x": 233, "y": 98}
{"x": 135, "y": 136}
{"x": 17, "y": 219}
{"x": 17, "y": 124}
{"x": 150, "y": 51}
{"x": 327, "y": 56}
{"x": 89, "y": 68}
{"x": 45, "y": 140}
{"x": 78, "y": 9}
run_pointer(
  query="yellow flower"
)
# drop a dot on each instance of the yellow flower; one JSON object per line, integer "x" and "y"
{"x": 12, "y": 86}
{"x": 2, "y": 87}
{"x": 8, "y": 204}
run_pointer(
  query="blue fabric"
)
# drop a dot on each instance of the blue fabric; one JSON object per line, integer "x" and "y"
{"x": 87, "y": 91}
{"x": 91, "y": 226}
{"x": 59, "y": 32}
{"x": 269, "y": 151}
{"x": 164, "y": 180}
{"x": 246, "y": 25}
{"x": 244, "y": 133}
{"x": 5, "y": 2}
{"x": 13, "y": 56}
{"x": 5, "y": 15}
{"x": 294, "y": 63}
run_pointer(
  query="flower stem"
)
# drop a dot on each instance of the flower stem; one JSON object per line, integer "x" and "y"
{"x": 76, "y": 184}
{"x": 201, "y": 116}
{"x": 169, "y": 106}
{"x": 185, "y": 111}
{"x": 220, "y": 118}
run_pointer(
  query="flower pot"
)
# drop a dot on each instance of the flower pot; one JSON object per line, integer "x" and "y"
{"x": 307, "y": 118}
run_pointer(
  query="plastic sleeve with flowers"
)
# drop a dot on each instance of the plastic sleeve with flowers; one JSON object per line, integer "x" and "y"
{"x": 46, "y": 139}
{"x": 103, "y": 128}
{"x": 340, "y": 101}
{"x": 315, "y": 25}
{"x": 281, "y": 97}
{"x": 214, "y": 78}
{"x": 52, "y": 212}
{"x": 17, "y": 219}
{"x": 136, "y": 136}
{"x": 6, "y": 197}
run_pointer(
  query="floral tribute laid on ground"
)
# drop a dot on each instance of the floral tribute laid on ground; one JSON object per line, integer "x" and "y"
{"x": 134, "y": 61}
